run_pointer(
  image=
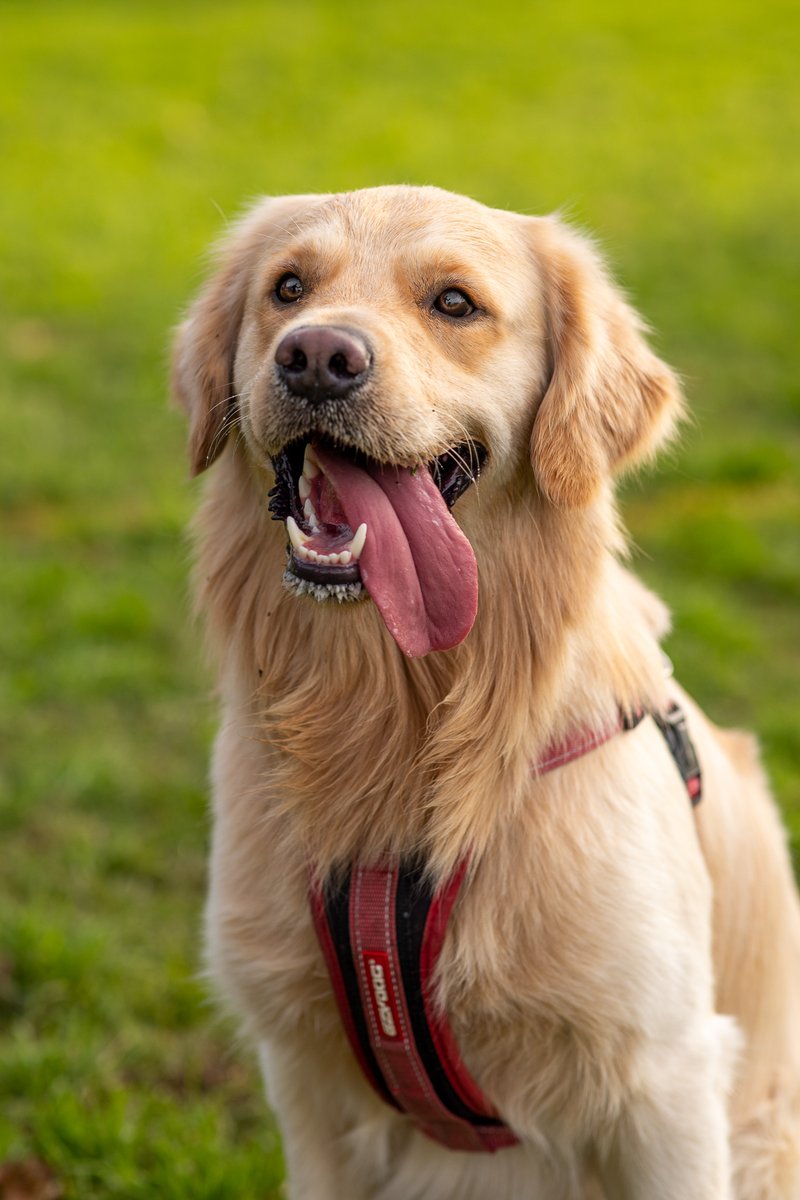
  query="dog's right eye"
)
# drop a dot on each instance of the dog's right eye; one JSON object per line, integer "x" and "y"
{"x": 289, "y": 288}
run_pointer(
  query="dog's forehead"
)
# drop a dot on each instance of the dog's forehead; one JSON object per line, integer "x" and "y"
{"x": 383, "y": 225}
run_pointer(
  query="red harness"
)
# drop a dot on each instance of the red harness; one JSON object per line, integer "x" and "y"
{"x": 381, "y": 930}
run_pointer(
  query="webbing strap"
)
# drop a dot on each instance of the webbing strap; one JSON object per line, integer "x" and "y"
{"x": 381, "y": 930}
{"x": 388, "y": 925}
{"x": 672, "y": 726}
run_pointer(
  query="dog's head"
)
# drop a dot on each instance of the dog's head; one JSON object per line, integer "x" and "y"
{"x": 378, "y": 351}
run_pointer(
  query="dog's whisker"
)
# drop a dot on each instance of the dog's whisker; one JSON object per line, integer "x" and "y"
{"x": 228, "y": 423}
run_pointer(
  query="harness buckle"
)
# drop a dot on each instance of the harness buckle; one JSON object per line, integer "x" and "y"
{"x": 672, "y": 724}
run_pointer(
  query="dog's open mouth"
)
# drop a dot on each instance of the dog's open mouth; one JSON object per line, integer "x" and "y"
{"x": 354, "y": 523}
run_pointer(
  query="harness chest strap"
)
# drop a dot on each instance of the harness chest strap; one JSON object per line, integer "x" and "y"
{"x": 381, "y": 930}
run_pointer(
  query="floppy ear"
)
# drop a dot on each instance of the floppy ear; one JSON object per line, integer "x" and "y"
{"x": 610, "y": 401}
{"x": 205, "y": 342}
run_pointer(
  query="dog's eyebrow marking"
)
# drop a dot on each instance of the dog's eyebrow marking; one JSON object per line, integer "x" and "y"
{"x": 429, "y": 262}
{"x": 319, "y": 255}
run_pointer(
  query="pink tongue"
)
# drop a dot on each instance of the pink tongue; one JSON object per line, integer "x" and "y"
{"x": 417, "y": 565}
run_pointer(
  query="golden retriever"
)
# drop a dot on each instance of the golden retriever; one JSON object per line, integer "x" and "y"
{"x": 622, "y": 973}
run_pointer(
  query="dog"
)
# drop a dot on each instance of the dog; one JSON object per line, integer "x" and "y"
{"x": 413, "y": 579}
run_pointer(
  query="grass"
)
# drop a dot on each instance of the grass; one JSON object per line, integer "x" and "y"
{"x": 128, "y": 134}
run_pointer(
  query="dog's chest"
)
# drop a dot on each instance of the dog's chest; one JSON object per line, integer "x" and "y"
{"x": 516, "y": 978}
{"x": 546, "y": 975}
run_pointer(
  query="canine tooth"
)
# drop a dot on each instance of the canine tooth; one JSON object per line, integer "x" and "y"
{"x": 303, "y": 487}
{"x": 344, "y": 557}
{"x": 311, "y": 516}
{"x": 297, "y": 538}
{"x": 357, "y": 544}
{"x": 311, "y": 467}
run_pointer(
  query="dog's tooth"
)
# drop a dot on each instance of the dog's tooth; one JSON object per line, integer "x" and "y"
{"x": 296, "y": 537}
{"x": 344, "y": 557}
{"x": 301, "y": 552}
{"x": 357, "y": 544}
{"x": 311, "y": 467}
{"x": 303, "y": 487}
{"x": 311, "y": 516}
{"x": 312, "y": 556}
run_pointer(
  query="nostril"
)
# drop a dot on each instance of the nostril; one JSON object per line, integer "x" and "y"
{"x": 298, "y": 361}
{"x": 339, "y": 367}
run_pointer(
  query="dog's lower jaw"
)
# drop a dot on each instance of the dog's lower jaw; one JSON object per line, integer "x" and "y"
{"x": 342, "y": 593}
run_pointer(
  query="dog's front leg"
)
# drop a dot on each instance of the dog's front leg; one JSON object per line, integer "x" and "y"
{"x": 672, "y": 1140}
{"x": 307, "y": 1115}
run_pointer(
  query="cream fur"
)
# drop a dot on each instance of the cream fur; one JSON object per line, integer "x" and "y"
{"x": 623, "y": 976}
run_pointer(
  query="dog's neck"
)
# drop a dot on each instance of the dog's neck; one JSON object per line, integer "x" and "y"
{"x": 372, "y": 753}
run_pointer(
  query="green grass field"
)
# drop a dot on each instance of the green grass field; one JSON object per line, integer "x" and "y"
{"x": 129, "y": 133}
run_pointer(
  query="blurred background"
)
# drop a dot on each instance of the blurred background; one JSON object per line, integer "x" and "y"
{"x": 130, "y": 133}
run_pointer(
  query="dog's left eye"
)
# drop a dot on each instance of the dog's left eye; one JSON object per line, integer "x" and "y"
{"x": 454, "y": 303}
{"x": 289, "y": 288}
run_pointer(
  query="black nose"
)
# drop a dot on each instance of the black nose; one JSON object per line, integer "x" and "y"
{"x": 322, "y": 361}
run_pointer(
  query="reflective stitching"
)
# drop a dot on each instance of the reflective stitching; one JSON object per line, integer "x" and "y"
{"x": 408, "y": 1042}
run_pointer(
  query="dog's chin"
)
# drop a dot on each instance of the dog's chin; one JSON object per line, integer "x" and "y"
{"x": 357, "y": 527}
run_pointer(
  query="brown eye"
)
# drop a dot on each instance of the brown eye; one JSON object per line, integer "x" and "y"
{"x": 289, "y": 288}
{"x": 454, "y": 303}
